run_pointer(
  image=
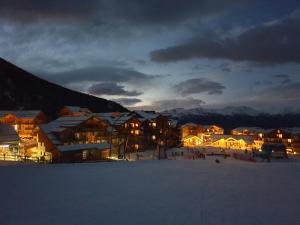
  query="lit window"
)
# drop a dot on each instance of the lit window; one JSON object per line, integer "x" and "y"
{"x": 84, "y": 154}
{"x": 136, "y": 146}
{"x": 125, "y": 125}
{"x": 153, "y": 137}
{"x": 154, "y": 124}
{"x": 280, "y": 135}
{"x": 132, "y": 131}
{"x": 289, "y": 140}
{"x": 137, "y": 132}
{"x": 136, "y": 124}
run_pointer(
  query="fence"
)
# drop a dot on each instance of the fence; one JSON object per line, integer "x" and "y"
{"x": 22, "y": 158}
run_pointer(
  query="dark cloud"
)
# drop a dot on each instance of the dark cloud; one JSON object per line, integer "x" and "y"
{"x": 32, "y": 10}
{"x": 225, "y": 67}
{"x": 100, "y": 74}
{"x": 276, "y": 42}
{"x": 285, "y": 91}
{"x": 285, "y": 78}
{"x": 199, "y": 85}
{"x": 102, "y": 11}
{"x": 127, "y": 101}
{"x": 282, "y": 76}
{"x": 111, "y": 89}
{"x": 263, "y": 83}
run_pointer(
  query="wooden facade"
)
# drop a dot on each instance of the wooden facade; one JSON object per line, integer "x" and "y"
{"x": 72, "y": 131}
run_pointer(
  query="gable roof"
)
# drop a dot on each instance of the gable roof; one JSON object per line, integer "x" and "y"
{"x": 28, "y": 114}
{"x": 8, "y": 134}
{"x": 61, "y": 124}
{"x": 250, "y": 129}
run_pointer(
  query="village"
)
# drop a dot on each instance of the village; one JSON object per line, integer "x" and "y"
{"x": 79, "y": 135}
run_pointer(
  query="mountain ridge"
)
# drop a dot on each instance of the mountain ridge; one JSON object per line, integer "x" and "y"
{"x": 23, "y": 90}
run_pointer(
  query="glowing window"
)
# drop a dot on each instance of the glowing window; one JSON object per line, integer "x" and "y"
{"x": 84, "y": 154}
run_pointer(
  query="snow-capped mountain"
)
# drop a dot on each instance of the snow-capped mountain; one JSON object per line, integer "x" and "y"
{"x": 229, "y": 110}
{"x": 236, "y": 110}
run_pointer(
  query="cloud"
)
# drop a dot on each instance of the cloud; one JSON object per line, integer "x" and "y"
{"x": 166, "y": 104}
{"x": 33, "y": 10}
{"x": 273, "y": 43}
{"x": 199, "y": 85}
{"x": 107, "y": 11}
{"x": 127, "y": 101}
{"x": 283, "y": 92}
{"x": 263, "y": 83}
{"x": 285, "y": 78}
{"x": 100, "y": 74}
{"x": 109, "y": 88}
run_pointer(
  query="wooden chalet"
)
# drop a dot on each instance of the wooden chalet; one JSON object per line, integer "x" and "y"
{"x": 69, "y": 137}
{"x": 193, "y": 129}
{"x": 25, "y": 122}
{"x": 9, "y": 142}
{"x": 232, "y": 141}
{"x": 248, "y": 131}
{"x": 213, "y": 129}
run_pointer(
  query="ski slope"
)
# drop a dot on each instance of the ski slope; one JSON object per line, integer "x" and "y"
{"x": 165, "y": 192}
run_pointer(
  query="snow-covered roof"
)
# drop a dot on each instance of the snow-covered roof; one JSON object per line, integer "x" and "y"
{"x": 8, "y": 133}
{"x": 115, "y": 119}
{"x": 21, "y": 113}
{"x": 248, "y": 139}
{"x": 212, "y": 125}
{"x": 148, "y": 115}
{"x": 61, "y": 124}
{"x": 189, "y": 125}
{"x": 251, "y": 129}
{"x": 78, "y": 147}
{"x": 190, "y": 136}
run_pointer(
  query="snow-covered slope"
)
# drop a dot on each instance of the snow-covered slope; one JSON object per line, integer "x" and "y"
{"x": 229, "y": 110}
{"x": 162, "y": 192}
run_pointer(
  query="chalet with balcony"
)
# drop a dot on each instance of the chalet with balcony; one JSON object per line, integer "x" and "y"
{"x": 237, "y": 142}
{"x": 25, "y": 122}
{"x": 76, "y": 139}
{"x": 9, "y": 143}
{"x": 213, "y": 129}
{"x": 248, "y": 131}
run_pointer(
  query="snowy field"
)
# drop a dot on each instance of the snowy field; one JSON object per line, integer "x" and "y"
{"x": 166, "y": 192}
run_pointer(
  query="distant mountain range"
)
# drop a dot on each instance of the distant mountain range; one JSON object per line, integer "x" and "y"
{"x": 229, "y": 110}
{"x": 22, "y": 90}
{"x": 235, "y": 116}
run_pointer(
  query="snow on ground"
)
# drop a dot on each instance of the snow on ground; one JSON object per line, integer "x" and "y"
{"x": 160, "y": 192}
